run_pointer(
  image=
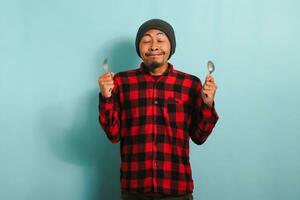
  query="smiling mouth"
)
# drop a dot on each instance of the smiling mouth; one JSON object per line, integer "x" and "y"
{"x": 155, "y": 55}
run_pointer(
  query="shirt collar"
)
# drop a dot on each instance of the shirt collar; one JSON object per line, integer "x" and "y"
{"x": 145, "y": 70}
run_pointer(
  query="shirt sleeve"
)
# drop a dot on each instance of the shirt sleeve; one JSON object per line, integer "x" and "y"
{"x": 109, "y": 115}
{"x": 204, "y": 118}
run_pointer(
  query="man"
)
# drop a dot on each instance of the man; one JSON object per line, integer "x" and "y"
{"x": 153, "y": 111}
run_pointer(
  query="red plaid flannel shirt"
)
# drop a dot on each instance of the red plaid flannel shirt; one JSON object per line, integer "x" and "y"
{"x": 154, "y": 121}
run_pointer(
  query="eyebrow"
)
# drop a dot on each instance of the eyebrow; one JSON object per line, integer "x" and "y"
{"x": 147, "y": 34}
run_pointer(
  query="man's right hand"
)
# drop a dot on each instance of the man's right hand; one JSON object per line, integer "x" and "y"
{"x": 106, "y": 84}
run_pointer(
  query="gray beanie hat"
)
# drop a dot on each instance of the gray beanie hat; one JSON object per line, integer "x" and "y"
{"x": 156, "y": 24}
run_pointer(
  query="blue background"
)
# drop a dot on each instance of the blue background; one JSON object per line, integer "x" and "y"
{"x": 51, "y": 145}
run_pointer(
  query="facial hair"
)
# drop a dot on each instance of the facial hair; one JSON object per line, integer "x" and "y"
{"x": 154, "y": 64}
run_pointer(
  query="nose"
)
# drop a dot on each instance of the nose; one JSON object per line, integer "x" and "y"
{"x": 153, "y": 46}
{"x": 153, "y": 49}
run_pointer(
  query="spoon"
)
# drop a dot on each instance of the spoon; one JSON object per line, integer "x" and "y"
{"x": 105, "y": 65}
{"x": 210, "y": 67}
{"x": 105, "y": 68}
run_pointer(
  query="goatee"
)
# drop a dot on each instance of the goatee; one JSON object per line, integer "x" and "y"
{"x": 153, "y": 65}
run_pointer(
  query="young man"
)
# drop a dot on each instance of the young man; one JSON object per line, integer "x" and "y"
{"x": 154, "y": 111}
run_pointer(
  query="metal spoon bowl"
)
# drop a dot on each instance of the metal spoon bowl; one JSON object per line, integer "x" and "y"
{"x": 105, "y": 68}
{"x": 210, "y": 67}
{"x": 105, "y": 65}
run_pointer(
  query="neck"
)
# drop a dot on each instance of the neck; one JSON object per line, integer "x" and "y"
{"x": 158, "y": 70}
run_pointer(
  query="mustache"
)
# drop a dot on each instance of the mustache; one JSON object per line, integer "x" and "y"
{"x": 148, "y": 53}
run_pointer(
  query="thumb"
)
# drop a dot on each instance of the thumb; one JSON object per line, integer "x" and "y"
{"x": 112, "y": 74}
{"x": 209, "y": 78}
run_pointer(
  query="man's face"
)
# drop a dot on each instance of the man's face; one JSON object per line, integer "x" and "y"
{"x": 155, "y": 48}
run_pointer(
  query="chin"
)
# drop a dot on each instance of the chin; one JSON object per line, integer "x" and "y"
{"x": 154, "y": 65}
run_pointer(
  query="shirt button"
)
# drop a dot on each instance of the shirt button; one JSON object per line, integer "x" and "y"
{"x": 156, "y": 102}
{"x": 155, "y": 164}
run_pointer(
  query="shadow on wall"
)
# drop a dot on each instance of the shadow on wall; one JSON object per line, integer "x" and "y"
{"x": 84, "y": 143}
{"x": 121, "y": 56}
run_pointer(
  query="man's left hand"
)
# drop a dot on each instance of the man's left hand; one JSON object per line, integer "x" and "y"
{"x": 209, "y": 90}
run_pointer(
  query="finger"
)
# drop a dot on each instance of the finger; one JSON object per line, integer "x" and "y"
{"x": 210, "y": 84}
{"x": 107, "y": 75}
{"x": 108, "y": 84}
{"x": 213, "y": 84}
{"x": 208, "y": 87}
{"x": 111, "y": 88}
{"x": 209, "y": 78}
{"x": 212, "y": 91}
{"x": 205, "y": 91}
{"x": 102, "y": 84}
{"x": 112, "y": 74}
{"x": 108, "y": 88}
{"x": 107, "y": 81}
{"x": 209, "y": 91}
{"x": 206, "y": 95}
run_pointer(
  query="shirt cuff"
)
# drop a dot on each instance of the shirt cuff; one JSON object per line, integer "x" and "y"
{"x": 105, "y": 103}
{"x": 104, "y": 99}
{"x": 212, "y": 107}
{"x": 209, "y": 113}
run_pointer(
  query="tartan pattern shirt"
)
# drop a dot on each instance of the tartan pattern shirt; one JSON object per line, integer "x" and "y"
{"x": 154, "y": 120}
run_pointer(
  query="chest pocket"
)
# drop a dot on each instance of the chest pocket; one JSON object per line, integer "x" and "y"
{"x": 176, "y": 118}
{"x": 178, "y": 113}
{"x": 175, "y": 111}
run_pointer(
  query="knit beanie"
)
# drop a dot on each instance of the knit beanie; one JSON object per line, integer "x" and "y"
{"x": 156, "y": 24}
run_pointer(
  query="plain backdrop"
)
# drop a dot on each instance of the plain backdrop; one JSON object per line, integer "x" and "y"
{"x": 51, "y": 53}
